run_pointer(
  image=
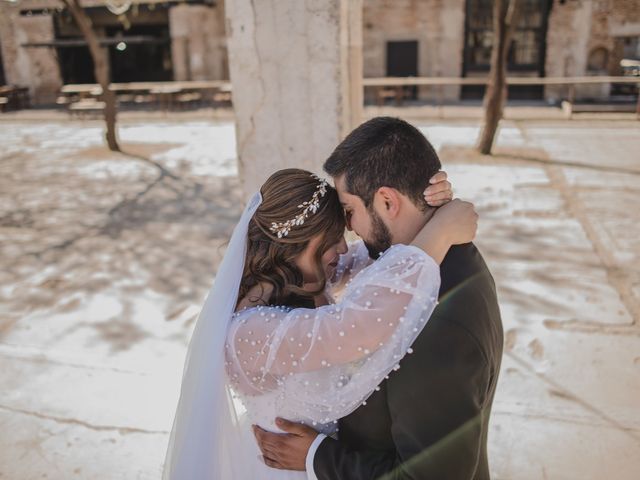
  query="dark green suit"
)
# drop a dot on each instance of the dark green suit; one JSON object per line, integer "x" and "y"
{"x": 430, "y": 418}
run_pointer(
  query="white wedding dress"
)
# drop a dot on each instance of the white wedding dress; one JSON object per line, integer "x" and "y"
{"x": 307, "y": 365}
{"x": 314, "y": 366}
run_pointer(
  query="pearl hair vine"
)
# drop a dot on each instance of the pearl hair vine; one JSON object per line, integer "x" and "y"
{"x": 282, "y": 229}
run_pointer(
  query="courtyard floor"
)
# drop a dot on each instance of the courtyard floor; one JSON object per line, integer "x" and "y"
{"x": 106, "y": 259}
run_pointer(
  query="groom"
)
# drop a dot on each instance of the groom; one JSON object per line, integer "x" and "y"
{"x": 429, "y": 419}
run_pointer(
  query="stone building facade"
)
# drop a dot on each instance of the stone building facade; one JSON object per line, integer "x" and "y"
{"x": 591, "y": 38}
{"x": 427, "y": 38}
{"x": 556, "y": 38}
{"x": 432, "y": 31}
{"x": 152, "y": 40}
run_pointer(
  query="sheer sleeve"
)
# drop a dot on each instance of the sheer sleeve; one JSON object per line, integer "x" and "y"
{"x": 349, "y": 265}
{"x": 330, "y": 358}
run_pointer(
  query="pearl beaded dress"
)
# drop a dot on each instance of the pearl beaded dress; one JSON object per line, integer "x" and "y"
{"x": 315, "y": 366}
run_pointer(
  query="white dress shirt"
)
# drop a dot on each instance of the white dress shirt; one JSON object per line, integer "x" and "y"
{"x": 311, "y": 474}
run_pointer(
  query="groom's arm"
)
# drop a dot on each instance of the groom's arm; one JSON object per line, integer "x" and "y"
{"x": 334, "y": 460}
{"x": 436, "y": 405}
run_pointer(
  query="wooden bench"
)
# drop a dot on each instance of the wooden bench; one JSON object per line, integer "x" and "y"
{"x": 13, "y": 97}
{"x": 569, "y": 82}
{"x": 188, "y": 100}
{"x": 569, "y": 108}
{"x": 88, "y": 106}
{"x": 165, "y": 94}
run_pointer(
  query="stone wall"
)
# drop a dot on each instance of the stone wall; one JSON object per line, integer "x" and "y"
{"x": 198, "y": 45}
{"x": 29, "y": 66}
{"x": 437, "y": 26}
{"x": 576, "y": 30}
{"x": 295, "y": 93}
{"x": 612, "y": 22}
{"x": 197, "y": 36}
{"x": 567, "y": 41}
{"x": 585, "y": 38}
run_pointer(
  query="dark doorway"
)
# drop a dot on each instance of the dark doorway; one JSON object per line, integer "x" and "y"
{"x": 402, "y": 61}
{"x": 139, "y": 48}
{"x": 76, "y": 65}
{"x": 145, "y": 60}
{"x": 526, "y": 54}
{"x": 143, "y": 54}
{"x": 3, "y": 80}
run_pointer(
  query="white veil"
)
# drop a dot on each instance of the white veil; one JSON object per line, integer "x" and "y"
{"x": 205, "y": 432}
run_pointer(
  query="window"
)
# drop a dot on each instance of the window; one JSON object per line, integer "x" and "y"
{"x": 526, "y": 51}
{"x": 479, "y": 34}
{"x": 139, "y": 51}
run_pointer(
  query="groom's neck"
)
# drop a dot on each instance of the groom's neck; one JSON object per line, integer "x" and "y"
{"x": 412, "y": 222}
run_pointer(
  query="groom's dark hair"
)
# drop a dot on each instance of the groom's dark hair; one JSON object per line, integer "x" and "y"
{"x": 385, "y": 152}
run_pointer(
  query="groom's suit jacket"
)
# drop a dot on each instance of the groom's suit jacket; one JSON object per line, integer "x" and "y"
{"x": 429, "y": 420}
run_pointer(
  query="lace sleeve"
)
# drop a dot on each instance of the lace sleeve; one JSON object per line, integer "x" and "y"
{"x": 342, "y": 350}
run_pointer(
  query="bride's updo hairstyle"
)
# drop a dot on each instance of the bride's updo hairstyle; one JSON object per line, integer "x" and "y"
{"x": 271, "y": 259}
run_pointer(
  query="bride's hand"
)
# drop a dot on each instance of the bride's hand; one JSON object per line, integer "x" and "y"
{"x": 452, "y": 224}
{"x": 439, "y": 191}
{"x": 458, "y": 221}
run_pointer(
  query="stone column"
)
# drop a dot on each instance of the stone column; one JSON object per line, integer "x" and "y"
{"x": 216, "y": 44}
{"x": 33, "y": 67}
{"x": 179, "y": 31}
{"x": 567, "y": 44}
{"x": 197, "y": 42}
{"x": 180, "y": 58}
{"x": 451, "y": 46}
{"x": 8, "y": 45}
{"x": 296, "y": 71}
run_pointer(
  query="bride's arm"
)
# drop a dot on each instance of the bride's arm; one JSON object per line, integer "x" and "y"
{"x": 452, "y": 224}
{"x": 357, "y": 257}
{"x": 400, "y": 288}
{"x": 388, "y": 303}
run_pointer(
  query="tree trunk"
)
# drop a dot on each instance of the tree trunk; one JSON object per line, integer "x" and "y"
{"x": 504, "y": 18}
{"x": 101, "y": 69}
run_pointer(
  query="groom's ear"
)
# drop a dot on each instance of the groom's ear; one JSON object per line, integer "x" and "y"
{"x": 388, "y": 201}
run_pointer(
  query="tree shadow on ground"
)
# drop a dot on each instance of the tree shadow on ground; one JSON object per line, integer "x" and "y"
{"x": 156, "y": 232}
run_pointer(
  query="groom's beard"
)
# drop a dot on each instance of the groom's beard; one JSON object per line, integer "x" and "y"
{"x": 380, "y": 236}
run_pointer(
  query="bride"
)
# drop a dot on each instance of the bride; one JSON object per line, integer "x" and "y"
{"x": 299, "y": 325}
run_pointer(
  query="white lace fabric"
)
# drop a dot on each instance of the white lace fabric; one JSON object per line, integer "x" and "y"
{"x": 318, "y": 365}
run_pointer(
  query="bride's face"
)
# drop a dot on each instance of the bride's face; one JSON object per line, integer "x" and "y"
{"x": 305, "y": 261}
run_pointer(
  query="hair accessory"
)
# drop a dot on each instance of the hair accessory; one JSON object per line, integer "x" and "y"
{"x": 282, "y": 228}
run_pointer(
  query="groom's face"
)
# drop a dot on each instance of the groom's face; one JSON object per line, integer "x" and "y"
{"x": 365, "y": 222}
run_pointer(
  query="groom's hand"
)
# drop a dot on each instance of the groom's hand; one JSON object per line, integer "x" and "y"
{"x": 285, "y": 451}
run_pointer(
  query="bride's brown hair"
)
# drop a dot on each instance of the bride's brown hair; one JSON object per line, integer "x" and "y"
{"x": 270, "y": 259}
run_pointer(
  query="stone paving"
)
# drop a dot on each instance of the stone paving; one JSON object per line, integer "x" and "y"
{"x": 106, "y": 259}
